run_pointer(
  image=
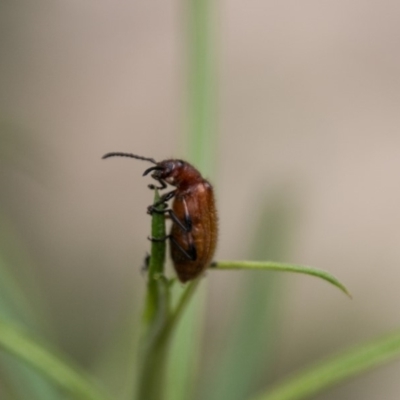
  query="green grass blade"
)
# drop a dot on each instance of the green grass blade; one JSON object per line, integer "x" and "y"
{"x": 67, "y": 377}
{"x": 283, "y": 267}
{"x": 335, "y": 370}
{"x": 200, "y": 149}
{"x": 201, "y": 110}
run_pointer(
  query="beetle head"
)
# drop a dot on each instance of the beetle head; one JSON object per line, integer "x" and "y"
{"x": 174, "y": 172}
{"x": 169, "y": 171}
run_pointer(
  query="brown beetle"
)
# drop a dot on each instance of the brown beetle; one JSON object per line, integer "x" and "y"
{"x": 194, "y": 231}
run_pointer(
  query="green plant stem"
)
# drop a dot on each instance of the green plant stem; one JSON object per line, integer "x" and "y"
{"x": 156, "y": 290}
{"x": 60, "y": 372}
{"x": 159, "y": 322}
{"x": 152, "y": 353}
{"x": 283, "y": 267}
{"x": 333, "y": 371}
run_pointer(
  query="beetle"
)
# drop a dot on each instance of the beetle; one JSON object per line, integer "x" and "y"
{"x": 194, "y": 231}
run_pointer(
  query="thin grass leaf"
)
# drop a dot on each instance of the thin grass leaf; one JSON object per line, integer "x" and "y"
{"x": 67, "y": 377}
{"x": 201, "y": 149}
{"x": 201, "y": 112}
{"x": 333, "y": 371}
{"x": 276, "y": 266}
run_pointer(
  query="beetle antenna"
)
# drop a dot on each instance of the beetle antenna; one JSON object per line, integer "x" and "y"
{"x": 130, "y": 155}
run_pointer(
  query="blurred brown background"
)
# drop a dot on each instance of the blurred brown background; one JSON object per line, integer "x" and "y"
{"x": 309, "y": 96}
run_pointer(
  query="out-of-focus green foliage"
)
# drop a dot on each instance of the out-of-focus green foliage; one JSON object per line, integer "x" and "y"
{"x": 333, "y": 371}
{"x": 60, "y": 372}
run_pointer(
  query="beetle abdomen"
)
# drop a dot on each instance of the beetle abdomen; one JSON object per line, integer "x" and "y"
{"x": 198, "y": 204}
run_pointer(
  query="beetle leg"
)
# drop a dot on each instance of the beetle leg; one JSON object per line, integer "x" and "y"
{"x": 188, "y": 221}
{"x": 164, "y": 198}
{"x": 174, "y": 218}
{"x": 162, "y": 239}
{"x": 168, "y": 196}
{"x": 172, "y": 215}
{"x": 161, "y": 182}
{"x": 185, "y": 225}
{"x": 191, "y": 253}
{"x": 146, "y": 263}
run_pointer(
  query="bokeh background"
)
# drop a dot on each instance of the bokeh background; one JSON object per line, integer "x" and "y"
{"x": 308, "y": 137}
